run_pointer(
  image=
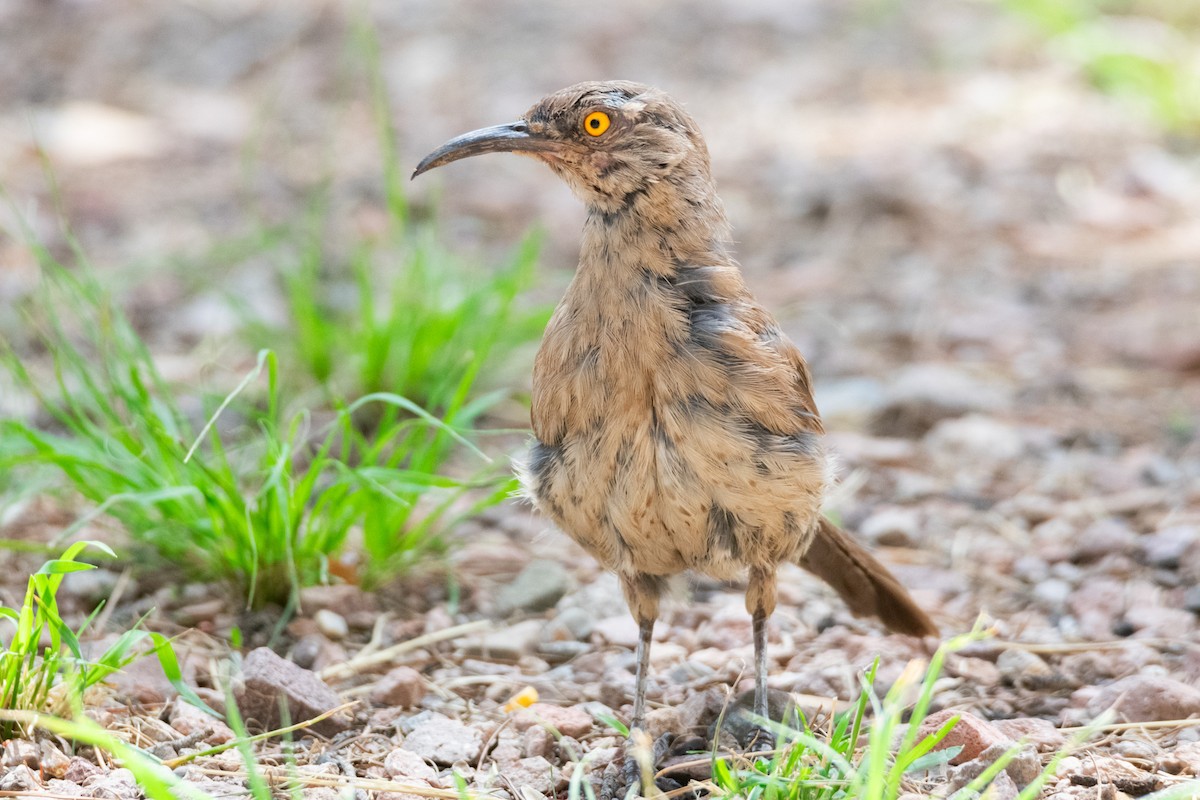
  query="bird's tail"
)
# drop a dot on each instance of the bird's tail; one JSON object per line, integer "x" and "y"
{"x": 866, "y": 585}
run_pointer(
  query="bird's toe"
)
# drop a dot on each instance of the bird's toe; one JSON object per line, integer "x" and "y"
{"x": 760, "y": 741}
{"x": 639, "y": 766}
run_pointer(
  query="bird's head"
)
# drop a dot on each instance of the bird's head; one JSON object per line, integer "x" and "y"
{"x": 610, "y": 141}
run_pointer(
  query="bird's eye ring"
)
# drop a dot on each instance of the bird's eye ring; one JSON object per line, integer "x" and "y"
{"x": 596, "y": 123}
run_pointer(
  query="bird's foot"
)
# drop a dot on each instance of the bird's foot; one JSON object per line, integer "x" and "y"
{"x": 640, "y": 763}
{"x": 761, "y": 740}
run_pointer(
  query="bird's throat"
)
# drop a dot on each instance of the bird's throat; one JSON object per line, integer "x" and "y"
{"x": 658, "y": 229}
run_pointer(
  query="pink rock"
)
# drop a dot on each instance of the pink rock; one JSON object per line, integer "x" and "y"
{"x": 20, "y": 778}
{"x": 79, "y": 770}
{"x": 1169, "y": 547}
{"x": 1159, "y": 621}
{"x": 538, "y": 741}
{"x": 1103, "y": 537}
{"x": 21, "y": 751}
{"x": 342, "y": 598}
{"x": 189, "y": 720}
{"x": 892, "y": 527}
{"x": 1002, "y": 787}
{"x": 700, "y": 710}
{"x": 445, "y": 741}
{"x": 507, "y": 753}
{"x": 662, "y": 720}
{"x": 620, "y": 630}
{"x": 143, "y": 681}
{"x": 1040, "y": 733}
{"x": 1096, "y": 666}
{"x": 53, "y": 762}
{"x": 535, "y": 773}
{"x": 568, "y": 720}
{"x": 978, "y": 671}
{"x": 403, "y": 687}
{"x": 399, "y": 795}
{"x": 401, "y": 763}
{"x": 266, "y": 678}
{"x": 974, "y": 734}
{"x": 509, "y": 643}
{"x": 316, "y": 652}
{"x": 117, "y": 783}
{"x": 1146, "y": 698}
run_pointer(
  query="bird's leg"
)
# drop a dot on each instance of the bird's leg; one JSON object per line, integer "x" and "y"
{"x": 645, "y": 632}
{"x": 636, "y": 773}
{"x": 760, "y": 663}
{"x": 642, "y": 593}
{"x": 760, "y": 602}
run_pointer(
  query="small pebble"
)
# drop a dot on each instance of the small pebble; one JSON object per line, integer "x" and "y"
{"x": 196, "y": 613}
{"x": 403, "y": 687}
{"x": 892, "y": 527}
{"x": 189, "y": 720}
{"x": 20, "y": 778}
{"x": 1022, "y": 668}
{"x": 21, "y": 751}
{"x": 537, "y": 741}
{"x": 973, "y": 734}
{"x": 537, "y": 587}
{"x": 1168, "y": 547}
{"x": 52, "y": 761}
{"x": 1146, "y": 698}
{"x": 534, "y": 773}
{"x": 1051, "y": 594}
{"x": 1102, "y": 538}
{"x": 1040, "y": 733}
{"x": 507, "y": 644}
{"x": 401, "y": 763}
{"x": 1134, "y": 748}
{"x": 445, "y": 741}
{"x": 620, "y": 630}
{"x": 267, "y": 680}
{"x": 331, "y": 623}
{"x": 568, "y": 720}
{"x": 572, "y": 622}
{"x": 80, "y": 770}
{"x": 1191, "y": 599}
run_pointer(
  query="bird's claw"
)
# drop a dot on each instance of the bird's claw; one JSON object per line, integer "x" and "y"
{"x": 761, "y": 741}
{"x": 627, "y": 781}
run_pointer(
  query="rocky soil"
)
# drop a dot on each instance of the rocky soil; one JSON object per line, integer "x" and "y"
{"x": 993, "y": 269}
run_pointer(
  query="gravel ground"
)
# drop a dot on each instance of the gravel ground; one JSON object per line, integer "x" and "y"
{"x": 991, "y": 267}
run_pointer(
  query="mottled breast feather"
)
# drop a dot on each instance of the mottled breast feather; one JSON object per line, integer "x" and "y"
{"x": 675, "y": 422}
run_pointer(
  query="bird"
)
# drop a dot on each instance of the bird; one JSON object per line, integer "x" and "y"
{"x": 674, "y": 422}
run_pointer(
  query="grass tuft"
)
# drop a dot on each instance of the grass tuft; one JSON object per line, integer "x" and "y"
{"x": 253, "y": 496}
{"x": 265, "y": 488}
{"x": 810, "y": 765}
{"x": 396, "y": 312}
{"x": 43, "y": 668}
{"x": 401, "y": 315}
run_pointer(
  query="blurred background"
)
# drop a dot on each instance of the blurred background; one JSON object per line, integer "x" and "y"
{"x": 978, "y": 219}
{"x": 241, "y": 348}
{"x": 1008, "y": 184}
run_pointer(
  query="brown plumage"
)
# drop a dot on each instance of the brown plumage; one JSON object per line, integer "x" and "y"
{"x": 675, "y": 423}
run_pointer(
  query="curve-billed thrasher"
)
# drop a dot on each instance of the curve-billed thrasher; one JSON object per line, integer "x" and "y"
{"x": 675, "y": 422}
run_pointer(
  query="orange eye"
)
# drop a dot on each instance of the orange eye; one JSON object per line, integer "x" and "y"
{"x": 596, "y": 123}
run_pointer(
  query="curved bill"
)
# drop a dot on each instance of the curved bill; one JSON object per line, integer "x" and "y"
{"x": 513, "y": 137}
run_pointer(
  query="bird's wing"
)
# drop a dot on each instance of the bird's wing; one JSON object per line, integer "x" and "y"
{"x": 792, "y": 375}
{"x": 744, "y": 359}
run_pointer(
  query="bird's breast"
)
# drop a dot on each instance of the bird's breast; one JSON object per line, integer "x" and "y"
{"x": 644, "y": 465}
